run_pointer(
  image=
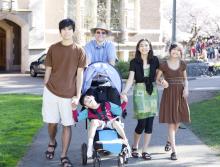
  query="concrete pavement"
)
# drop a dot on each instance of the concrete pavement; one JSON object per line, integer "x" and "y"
{"x": 20, "y": 83}
{"x": 191, "y": 151}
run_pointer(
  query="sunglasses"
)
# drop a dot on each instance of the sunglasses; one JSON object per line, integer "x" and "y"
{"x": 101, "y": 32}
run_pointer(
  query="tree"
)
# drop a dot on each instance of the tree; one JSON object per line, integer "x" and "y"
{"x": 193, "y": 18}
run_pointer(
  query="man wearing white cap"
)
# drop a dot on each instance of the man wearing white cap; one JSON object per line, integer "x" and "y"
{"x": 100, "y": 49}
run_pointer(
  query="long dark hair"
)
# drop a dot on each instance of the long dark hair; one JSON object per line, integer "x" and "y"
{"x": 138, "y": 53}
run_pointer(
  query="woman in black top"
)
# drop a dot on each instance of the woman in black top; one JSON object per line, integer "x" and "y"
{"x": 145, "y": 95}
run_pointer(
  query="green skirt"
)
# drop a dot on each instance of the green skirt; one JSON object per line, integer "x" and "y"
{"x": 145, "y": 105}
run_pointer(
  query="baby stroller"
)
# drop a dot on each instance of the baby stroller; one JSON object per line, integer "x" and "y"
{"x": 103, "y": 82}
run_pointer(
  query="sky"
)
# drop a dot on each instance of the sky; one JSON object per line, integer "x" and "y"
{"x": 212, "y": 6}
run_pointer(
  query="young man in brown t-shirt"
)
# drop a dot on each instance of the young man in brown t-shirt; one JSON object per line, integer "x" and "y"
{"x": 65, "y": 63}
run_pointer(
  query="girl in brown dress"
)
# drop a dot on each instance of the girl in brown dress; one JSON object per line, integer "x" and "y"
{"x": 173, "y": 107}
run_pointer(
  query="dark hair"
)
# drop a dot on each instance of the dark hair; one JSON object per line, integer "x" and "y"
{"x": 81, "y": 100}
{"x": 66, "y": 23}
{"x": 175, "y": 45}
{"x": 138, "y": 53}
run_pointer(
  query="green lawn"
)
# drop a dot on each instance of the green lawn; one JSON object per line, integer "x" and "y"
{"x": 20, "y": 119}
{"x": 206, "y": 121}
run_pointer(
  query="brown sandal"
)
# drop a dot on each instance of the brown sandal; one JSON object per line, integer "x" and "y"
{"x": 50, "y": 154}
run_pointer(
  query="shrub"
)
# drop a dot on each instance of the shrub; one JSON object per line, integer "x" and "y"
{"x": 123, "y": 69}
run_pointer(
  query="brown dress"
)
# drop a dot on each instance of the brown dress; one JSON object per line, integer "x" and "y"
{"x": 173, "y": 107}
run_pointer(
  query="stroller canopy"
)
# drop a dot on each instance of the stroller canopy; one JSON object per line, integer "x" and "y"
{"x": 105, "y": 70}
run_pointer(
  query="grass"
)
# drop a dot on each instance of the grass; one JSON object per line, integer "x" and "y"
{"x": 205, "y": 118}
{"x": 20, "y": 119}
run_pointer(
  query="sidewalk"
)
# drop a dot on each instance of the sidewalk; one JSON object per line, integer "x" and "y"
{"x": 191, "y": 151}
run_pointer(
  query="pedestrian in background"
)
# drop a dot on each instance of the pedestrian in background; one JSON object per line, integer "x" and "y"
{"x": 64, "y": 63}
{"x": 173, "y": 106}
{"x": 145, "y": 95}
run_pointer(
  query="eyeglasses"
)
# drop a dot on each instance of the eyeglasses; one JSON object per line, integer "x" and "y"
{"x": 101, "y": 32}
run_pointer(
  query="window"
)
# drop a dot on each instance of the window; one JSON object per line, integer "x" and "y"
{"x": 130, "y": 14}
{"x": 8, "y": 5}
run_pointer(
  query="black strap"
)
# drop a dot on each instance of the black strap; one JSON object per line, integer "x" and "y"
{"x": 103, "y": 112}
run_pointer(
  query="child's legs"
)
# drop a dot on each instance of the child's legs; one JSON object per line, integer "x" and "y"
{"x": 117, "y": 126}
{"x": 94, "y": 124}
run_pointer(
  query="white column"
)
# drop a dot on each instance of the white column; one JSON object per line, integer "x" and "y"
{"x": 91, "y": 13}
{"x": 137, "y": 14}
{"x": 78, "y": 26}
{"x": 108, "y": 13}
{"x": 123, "y": 18}
{"x": 126, "y": 55}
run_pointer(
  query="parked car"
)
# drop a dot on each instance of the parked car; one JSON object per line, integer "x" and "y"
{"x": 38, "y": 67}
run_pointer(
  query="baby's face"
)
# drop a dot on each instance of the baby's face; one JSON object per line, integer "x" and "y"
{"x": 89, "y": 101}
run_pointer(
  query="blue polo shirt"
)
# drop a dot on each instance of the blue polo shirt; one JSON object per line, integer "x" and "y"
{"x": 104, "y": 53}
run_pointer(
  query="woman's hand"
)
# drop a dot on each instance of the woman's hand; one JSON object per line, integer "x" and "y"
{"x": 185, "y": 93}
{"x": 164, "y": 83}
{"x": 124, "y": 97}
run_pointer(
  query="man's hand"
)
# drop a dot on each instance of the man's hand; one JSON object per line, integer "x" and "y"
{"x": 75, "y": 102}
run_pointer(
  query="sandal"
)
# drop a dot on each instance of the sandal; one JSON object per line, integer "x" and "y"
{"x": 50, "y": 154}
{"x": 173, "y": 156}
{"x": 146, "y": 156}
{"x": 65, "y": 162}
{"x": 167, "y": 146}
{"x": 134, "y": 152}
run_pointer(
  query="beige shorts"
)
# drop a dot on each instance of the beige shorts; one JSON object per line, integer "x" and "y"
{"x": 56, "y": 109}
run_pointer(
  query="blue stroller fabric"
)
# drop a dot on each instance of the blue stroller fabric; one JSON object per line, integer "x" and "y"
{"x": 108, "y": 73}
{"x": 108, "y": 140}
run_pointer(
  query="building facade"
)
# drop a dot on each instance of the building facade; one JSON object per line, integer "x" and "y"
{"x": 29, "y": 27}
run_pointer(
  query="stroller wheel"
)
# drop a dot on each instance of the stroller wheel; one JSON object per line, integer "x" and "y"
{"x": 84, "y": 153}
{"x": 125, "y": 155}
{"x": 125, "y": 160}
{"x": 121, "y": 161}
{"x": 96, "y": 160}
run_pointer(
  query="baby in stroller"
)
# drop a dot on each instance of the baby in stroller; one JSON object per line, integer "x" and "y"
{"x": 101, "y": 115}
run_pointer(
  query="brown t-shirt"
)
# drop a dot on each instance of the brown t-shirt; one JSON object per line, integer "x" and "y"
{"x": 64, "y": 60}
